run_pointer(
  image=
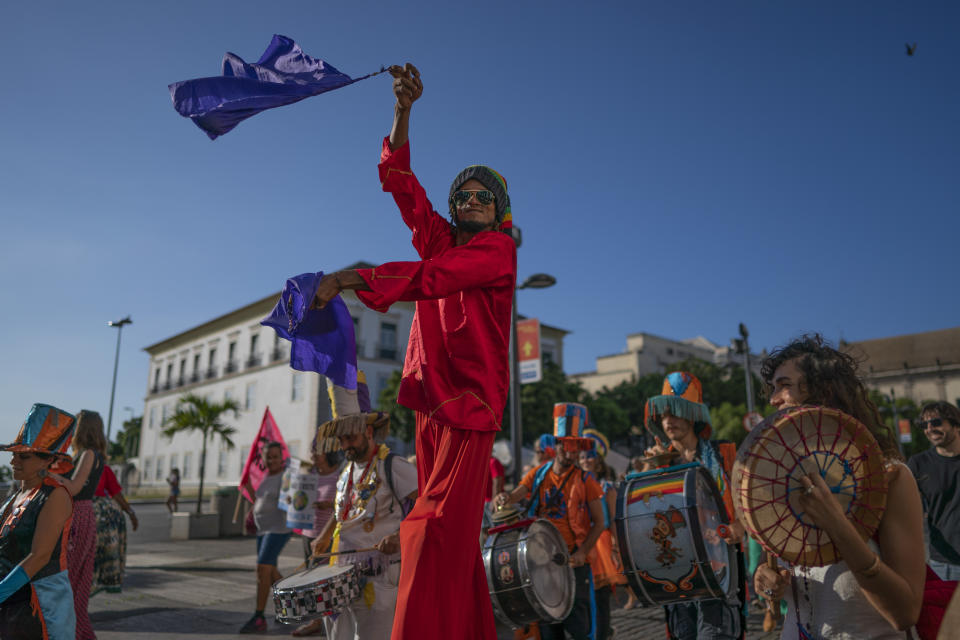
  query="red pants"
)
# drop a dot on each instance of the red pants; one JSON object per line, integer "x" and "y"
{"x": 443, "y": 590}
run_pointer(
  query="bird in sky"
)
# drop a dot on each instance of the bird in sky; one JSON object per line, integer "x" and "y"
{"x": 910, "y": 49}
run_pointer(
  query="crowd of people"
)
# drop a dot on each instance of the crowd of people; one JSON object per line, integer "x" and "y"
{"x": 409, "y": 531}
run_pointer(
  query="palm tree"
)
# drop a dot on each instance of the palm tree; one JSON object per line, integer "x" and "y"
{"x": 196, "y": 413}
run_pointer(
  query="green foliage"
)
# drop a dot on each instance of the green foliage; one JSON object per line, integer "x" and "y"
{"x": 196, "y": 413}
{"x": 537, "y": 400}
{"x": 6, "y": 473}
{"x": 402, "y": 421}
{"x": 127, "y": 444}
{"x": 727, "y": 422}
{"x": 907, "y": 409}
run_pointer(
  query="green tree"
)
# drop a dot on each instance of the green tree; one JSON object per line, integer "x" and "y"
{"x": 537, "y": 400}
{"x": 402, "y": 421}
{"x": 195, "y": 413}
{"x": 907, "y": 409}
{"x": 727, "y": 422}
{"x": 127, "y": 444}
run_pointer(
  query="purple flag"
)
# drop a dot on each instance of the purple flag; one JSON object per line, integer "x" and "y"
{"x": 322, "y": 340}
{"x": 284, "y": 74}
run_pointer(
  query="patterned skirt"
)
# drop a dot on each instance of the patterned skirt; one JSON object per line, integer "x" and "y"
{"x": 111, "y": 552}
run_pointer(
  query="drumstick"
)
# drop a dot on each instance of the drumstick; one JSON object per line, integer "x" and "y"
{"x": 342, "y": 553}
{"x": 772, "y": 615}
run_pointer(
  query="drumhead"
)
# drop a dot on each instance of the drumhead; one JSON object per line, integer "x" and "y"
{"x": 717, "y": 550}
{"x": 317, "y": 574}
{"x": 799, "y": 441}
{"x": 552, "y": 586}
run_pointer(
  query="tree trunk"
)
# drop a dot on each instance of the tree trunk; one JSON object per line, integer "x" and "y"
{"x": 203, "y": 468}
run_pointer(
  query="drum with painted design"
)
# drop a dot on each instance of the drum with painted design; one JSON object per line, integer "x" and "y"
{"x": 668, "y": 523}
{"x": 528, "y": 573}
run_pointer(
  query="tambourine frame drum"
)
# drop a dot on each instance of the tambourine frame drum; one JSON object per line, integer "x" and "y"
{"x": 319, "y": 591}
{"x": 528, "y": 574}
{"x": 767, "y": 480}
{"x": 667, "y": 522}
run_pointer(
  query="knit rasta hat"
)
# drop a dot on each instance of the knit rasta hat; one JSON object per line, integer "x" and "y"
{"x": 351, "y": 415}
{"x": 492, "y": 181}
{"x": 682, "y": 396}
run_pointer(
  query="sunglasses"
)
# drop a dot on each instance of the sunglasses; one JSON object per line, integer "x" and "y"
{"x": 933, "y": 422}
{"x": 461, "y": 198}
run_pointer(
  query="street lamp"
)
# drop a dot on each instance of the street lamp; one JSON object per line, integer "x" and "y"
{"x": 116, "y": 361}
{"x": 743, "y": 346}
{"x": 536, "y": 281}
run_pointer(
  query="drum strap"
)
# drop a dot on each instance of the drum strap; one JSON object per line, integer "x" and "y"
{"x": 538, "y": 480}
{"x": 405, "y": 504}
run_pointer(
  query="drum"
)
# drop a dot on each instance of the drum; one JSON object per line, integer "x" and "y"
{"x": 320, "y": 591}
{"x": 528, "y": 573}
{"x": 667, "y": 526}
{"x": 796, "y": 442}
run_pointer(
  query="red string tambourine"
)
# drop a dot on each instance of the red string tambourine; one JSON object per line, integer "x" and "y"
{"x": 799, "y": 441}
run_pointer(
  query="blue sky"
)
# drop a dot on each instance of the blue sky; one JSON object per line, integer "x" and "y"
{"x": 679, "y": 167}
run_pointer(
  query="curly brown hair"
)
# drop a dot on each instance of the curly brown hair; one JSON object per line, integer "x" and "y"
{"x": 830, "y": 379}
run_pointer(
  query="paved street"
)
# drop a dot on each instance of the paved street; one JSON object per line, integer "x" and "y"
{"x": 206, "y": 589}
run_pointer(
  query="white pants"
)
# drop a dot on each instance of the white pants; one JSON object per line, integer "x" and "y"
{"x": 360, "y": 622}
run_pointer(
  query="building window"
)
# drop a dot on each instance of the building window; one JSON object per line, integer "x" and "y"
{"x": 382, "y": 380}
{"x": 169, "y": 374}
{"x": 548, "y": 356}
{"x": 228, "y": 393}
{"x": 293, "y": 448}
{"x": 251, "y": 397}
{"x": 147, "y": 467}
{"x": 222, "y": 463}
{"x": 244, "y": 452}
{"x": 156, "y": 380}
{"x": 187, "y": 465}
{"x": 254, "y": 359}
{"x": 159, "y": 475}
{"x": 296, "y": 387}
{"x": 163, "y": 415}
{"x": 196, "y": 368}
{"x": 153, "y": 417}
{"x": 231, "y": 358}
{"x": 387, "y": 349}
{"x": 174, "y": 459}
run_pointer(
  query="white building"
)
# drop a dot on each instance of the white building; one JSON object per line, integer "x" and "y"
{"x": 233, "y": 356}
{"x": 647, "y": 353}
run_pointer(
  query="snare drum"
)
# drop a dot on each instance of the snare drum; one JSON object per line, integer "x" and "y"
{"x": 528, "y": 573}
{"x": 667, "y": 525}
{"x": 320, "y": 591}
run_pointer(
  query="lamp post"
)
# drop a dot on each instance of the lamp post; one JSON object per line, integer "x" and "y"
{"x": 116, "y": 361}
{"x": 536, "y": 281}
{"x": 742, "y": 345}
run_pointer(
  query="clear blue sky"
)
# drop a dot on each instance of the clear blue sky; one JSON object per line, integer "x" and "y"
{"x": 680, "y": 167}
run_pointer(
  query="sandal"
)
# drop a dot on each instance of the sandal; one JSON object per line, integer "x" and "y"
{"x": 312, "y": 628}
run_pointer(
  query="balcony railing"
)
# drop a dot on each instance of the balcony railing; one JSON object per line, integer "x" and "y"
{"x": 277, "y": 354}
{"x": 195, "y": 377}
{"x": 231, "y": 367}
{"x": 155, "y": 388}
{"x": 211, "y": 373}
{"x": 387, "y": 352}
{"x": 167, "y": 385}
{"x": 253, "y": 361}
{"x": 182, "y": 380}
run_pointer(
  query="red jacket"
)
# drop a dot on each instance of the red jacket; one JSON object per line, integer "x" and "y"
{"x": 456, "y": 370}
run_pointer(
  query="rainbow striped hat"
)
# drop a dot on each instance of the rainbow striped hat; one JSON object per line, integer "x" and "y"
{"x": 682, "y": 396}
{"x": 46, "y": 430}
{"x": 569, "y": 421}
{"x": 601, "y": 443}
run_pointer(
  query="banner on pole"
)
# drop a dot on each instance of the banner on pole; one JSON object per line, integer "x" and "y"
{"x": 905, "y": 434}
{"x": 528, "y": 353}
{"x": 255, "y": 469}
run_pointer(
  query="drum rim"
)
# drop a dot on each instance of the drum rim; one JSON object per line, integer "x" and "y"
{"x": 346, "y": 570}
{"x": 528, "y": 580}
{"x": 690, "y": 492}
{"x": 279, "y": 593}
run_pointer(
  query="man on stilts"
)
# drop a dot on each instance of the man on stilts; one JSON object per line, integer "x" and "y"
{"x": 455, "y": 377}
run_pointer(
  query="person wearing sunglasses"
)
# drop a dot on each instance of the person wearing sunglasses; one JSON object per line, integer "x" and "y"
{"x": 455, "y": 377}
{"x": 937, "y": 471}
{"x": 36, "y": 600}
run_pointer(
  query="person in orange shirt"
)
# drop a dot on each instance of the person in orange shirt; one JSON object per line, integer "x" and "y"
{"x": 571, "y": 499}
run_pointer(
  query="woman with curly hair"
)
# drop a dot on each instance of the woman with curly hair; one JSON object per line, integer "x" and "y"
{"x": 876, "y": 591}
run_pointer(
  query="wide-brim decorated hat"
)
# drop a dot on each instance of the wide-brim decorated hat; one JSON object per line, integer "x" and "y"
{"x": 601, "y": 444}
{"x": 682, "y": 396}
{"x": 547, "y": 445}
{"x": 569, "y": 421}
{"x": 48, "y": 430}
{"x": 351, "y": 415}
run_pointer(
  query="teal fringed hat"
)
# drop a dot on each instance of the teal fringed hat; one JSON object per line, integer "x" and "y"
{"x": 682, "y": 396}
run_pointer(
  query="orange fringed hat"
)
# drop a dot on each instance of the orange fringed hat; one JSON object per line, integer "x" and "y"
{"x": 682, "y": 396}
{"x": 47, "y": 430}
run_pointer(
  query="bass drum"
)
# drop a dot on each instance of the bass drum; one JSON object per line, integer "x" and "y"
{"x": 528, "y": 573}
{"x": 668, "y": 523}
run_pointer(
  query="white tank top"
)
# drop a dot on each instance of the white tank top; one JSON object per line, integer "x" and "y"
{"x": 832, "y": 606}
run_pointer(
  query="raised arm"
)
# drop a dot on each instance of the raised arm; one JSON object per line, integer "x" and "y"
{"x": 407, "y": 87}
{"x": 81, "y": 472}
